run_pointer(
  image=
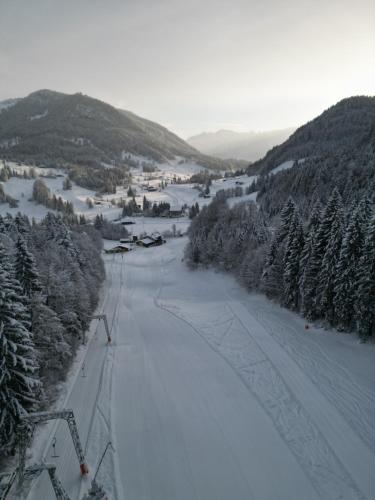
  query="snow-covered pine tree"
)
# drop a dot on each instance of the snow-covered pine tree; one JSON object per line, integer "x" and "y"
{"x": 22, "y": 223}
{"x": 348, "y": 264}
{"x": 272, "y": 277}
{"x": 308, "y": 271}
{"x": 26, "y": 270}
{"x": 325, "y": 291}
{"x": 365, "y": 303}
{"x": 286, "y": 217}
{"x": 59, "y": 232}
{"x": 314, "y": 266}
{"x": 291, "y": 263}
{"x": 19, "y": 381}
{"x": 250, "y": 271}
{"x": 53, "y": 352}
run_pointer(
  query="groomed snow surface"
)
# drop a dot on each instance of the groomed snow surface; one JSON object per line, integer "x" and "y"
{"x": 209, "y": 393}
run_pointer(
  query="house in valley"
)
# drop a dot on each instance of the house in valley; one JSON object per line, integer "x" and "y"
{"x": 118, "y": 249}
{"x": 151, "y": 241}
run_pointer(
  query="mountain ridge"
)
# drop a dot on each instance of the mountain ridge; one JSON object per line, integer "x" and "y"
{"x": 342, "y": 128}
{"x": 53, "y": 128}
{"x": 338, "y": 151}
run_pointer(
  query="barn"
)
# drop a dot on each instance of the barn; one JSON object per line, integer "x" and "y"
{"x": 175, "y": 212}
{"x": 150, "y": 241}
{"x": 118, "y": 249}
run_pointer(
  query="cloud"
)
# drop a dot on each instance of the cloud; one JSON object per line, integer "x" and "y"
{"x": 196, "y": 65}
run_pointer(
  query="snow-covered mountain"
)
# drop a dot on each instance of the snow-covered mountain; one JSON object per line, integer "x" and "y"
{"x": 248, "y": 146}
{"x": 345, "y": 128}
{"x": 8, "y": 103}
{"x": 57, "y": 129}
{"x": 336, "y": 149}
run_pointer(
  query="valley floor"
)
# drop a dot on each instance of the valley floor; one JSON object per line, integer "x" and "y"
{"x": 209, "y": 393}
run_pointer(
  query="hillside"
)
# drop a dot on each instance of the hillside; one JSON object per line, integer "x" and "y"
{"x": 337, "y": 149}
{"x": 343, "y": 128}
{"x": 250, "y": 146}
{"x": 55, "y": 129}
{"x": 8, "y": 103}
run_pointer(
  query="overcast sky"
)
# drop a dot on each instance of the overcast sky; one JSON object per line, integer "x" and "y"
{"x": 193, "y": 65}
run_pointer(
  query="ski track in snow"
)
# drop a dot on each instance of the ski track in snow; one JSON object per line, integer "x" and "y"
{"x": 207, "y": 394}
{"x": 305, "y": 439}
{"x": 101, "y": 428}
{"x": 293, "y": 423}
{"x": 355, "y": 403}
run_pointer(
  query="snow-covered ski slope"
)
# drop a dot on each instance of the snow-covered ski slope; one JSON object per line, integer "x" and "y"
{"x": 210, "y": 393}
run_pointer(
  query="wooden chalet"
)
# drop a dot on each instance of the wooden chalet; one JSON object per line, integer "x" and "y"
{"x": 150, "y": 241}
{"x": 118, "y": 249}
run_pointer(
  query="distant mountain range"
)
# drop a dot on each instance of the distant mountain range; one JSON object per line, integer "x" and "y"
{"x": 56, "y": 129}
{"x": 250, "y": 146}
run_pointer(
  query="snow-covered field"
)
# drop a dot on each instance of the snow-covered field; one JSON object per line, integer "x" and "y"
{"x": 208, "y": 392}
{"x": 176, "y": 195}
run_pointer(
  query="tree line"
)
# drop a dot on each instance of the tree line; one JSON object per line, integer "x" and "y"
{"x": 323, "y": 268}
{"x": 50, "y": 275}
{"x": 42, "y": 194}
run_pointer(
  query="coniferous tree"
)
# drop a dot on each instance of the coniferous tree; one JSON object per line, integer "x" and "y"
{"x": 307, "y": 266}
{"x": 58, "y": 231}
{"x": 99, "y": 221}
{"x": 291, "y": 263}
{"x": 25, "y": 268}
{"x": 286, "y": 217}
{"x": 146, "y": 205}
{"x": 22, "y": 223}
{"x": 332, "y": 210}
{"x": 365, "y": 303}
{"x": 272, "y": 278}
{"x": 67, "y": 184}
{"x": 325, "y": 290}
{"x": 348, "y": 265}
{"x": 53, "y": 351}
{"x": 19, "y": 382}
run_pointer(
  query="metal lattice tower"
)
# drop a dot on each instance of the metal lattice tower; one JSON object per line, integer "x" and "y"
{"x": 29, "y": 422}
{"x": 6, "y": 481}
{"x": 34, "y": 471}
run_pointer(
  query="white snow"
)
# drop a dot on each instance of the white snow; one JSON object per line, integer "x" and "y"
{"x": 245, "y": 198}
{"x": 210, "y": 393}
{"x": 21, "y": 189}
{"x": 175, "y": 194}
{"x": 8, "y": 103}
{"x": 286, "y": 165}
{"x": 39, "y": 116}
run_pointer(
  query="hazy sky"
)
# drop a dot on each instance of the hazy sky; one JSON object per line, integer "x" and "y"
{"x": 193, "y": 65}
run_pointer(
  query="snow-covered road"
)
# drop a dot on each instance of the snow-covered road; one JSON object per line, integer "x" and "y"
{"x": 210, "y": 393}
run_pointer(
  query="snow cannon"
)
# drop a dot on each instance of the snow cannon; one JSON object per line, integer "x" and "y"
{"x": 84, "y": 469}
